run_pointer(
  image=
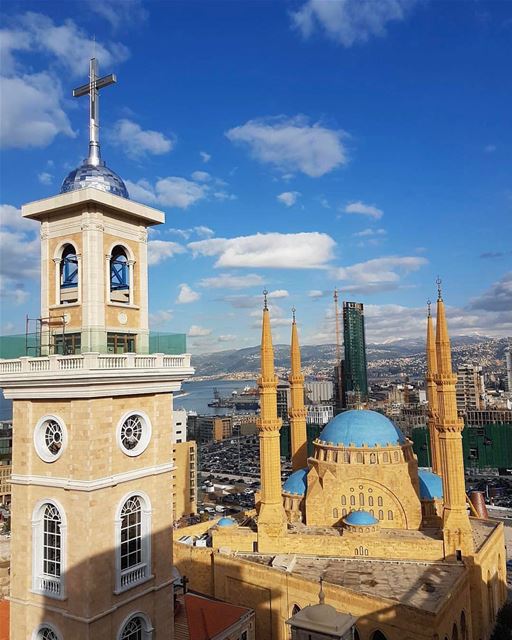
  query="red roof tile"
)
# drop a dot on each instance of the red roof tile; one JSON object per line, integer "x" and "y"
{"x": 207, "y": 618}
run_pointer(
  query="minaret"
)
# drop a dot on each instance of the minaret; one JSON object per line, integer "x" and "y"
{"x": 272, "y": 516}
{"x": 297, "y": 412}
{"x": 432, "y": 394}
{"x": 457, "y": 531}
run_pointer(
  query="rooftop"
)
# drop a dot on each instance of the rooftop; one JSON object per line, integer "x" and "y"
{"x": 360, "y": 427}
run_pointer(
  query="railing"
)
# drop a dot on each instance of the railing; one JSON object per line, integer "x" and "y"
{"x": 49, "y": 586}
{"x": 91, "y": 361}
{"x": 130, "y": 577}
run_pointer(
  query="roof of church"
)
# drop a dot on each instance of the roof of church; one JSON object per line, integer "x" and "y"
{"x": 361, "y": 517}
{"x": 297, "y": 482}
{"x": 431, "y": 485}
{"x": 360, "y": 427}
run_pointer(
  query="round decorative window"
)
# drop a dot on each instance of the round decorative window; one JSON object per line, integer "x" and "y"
{"x": 50, "y": 438}
{"x": 133, "y": 433}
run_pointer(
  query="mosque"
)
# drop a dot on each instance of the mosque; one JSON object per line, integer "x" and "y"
{"x": 393, "y": 544}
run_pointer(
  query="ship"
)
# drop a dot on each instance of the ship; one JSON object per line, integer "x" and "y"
{"x": 246, "y": 400}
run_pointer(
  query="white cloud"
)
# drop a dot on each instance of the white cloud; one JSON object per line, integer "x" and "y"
{"x": 276, "y": 250}
{"x": 368, "y": 233}
{"x": 292, "y": 144}
{"x": 364, "y": 209}
{"x": 137, "y": 142}
{"x": 379, "y": 273}
{"x": 160, "y": 317}
{"x": 231, "y": 281}
{"x": 168, "y": 192}
{"x": 45, "y": 178}
{"x": 288, "y": 198}
{"x": 223, "y": 195}
{"x": 316, "y": 293}
{"x": 201, "y": 176}
{"x": 201, "y": 231}
{"x": 278, "y": 293}
{"x": 348, "y": 22}
{"x": 19, "y": 257}
{"x": 160, "y": 250}
{"x": 120, "y": 12}
{"x": 227, "y": 338}
{"x": 205, "y": 157}
{"x": 11, "y": 218}
{"x": 187, "y": 294}
{"x": 32, "y": 114}
{"x": 497, "y": 298}
{"x": 196, "y": 331}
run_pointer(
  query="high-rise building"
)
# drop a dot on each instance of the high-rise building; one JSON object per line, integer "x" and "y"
{"x": 508, "y": 360}
{"x": 355, "y": 366}
{"x": 470, "y": 388}
{"x": 91, "y": 553}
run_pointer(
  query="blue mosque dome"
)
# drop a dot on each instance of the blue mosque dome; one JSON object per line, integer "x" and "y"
{"x": 226, "y": 522}
{"x": 431, "y": 485}
{"x": 361, "y": 427}
{"x": 362, "y": 518}
{"x": 97, "y": 176}
{"x": 297, "y": 483}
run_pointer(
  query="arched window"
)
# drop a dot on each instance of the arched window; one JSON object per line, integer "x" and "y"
{"x": 396, "y": 456}
{"x": 343, "y": 512}
{"x": 295, "y": 609}
{"x": 68, "y": 268}
{"x": 46, "y": 632}
{"x": 373, "y": 458}
{"x": 390, "y": 515}
{"x": 48, "y": 555}
{"x": 370, "y": 501}
{"x": 361, "y": 499}
{"x": 356, "y": 551}
{"x": 378, "y": 635}
{"x": 346, "y": 457}
{"x": 359, "y": 457}
{"x": 133, "y": 546}
{"x": 119, "y": 276}
{"x": 463, "y": 626}
{"x": 137, "y": 627}
{"x": 381, "y": 514}
{"x": 455, "y": 632}
{"x": 352, "y": 500}
{"x": 335, "y": 513}
{"x": 343, "y": 500}
{"x": 379, "y": 501}
{"x": 385, "y": 457}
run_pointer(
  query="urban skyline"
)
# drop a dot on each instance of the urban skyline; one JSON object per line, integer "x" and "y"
{"x": 310, "y": 145}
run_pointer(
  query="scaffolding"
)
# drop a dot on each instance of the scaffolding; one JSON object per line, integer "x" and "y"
{"x": 41, "y": 336}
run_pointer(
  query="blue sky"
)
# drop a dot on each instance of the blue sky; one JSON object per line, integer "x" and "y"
{"x": 297, "y": 146}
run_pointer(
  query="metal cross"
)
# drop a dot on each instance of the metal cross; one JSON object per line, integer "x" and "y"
{"x": 92, "y": 88}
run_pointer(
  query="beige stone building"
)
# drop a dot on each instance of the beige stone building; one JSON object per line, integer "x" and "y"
{"x": 92, "y": 470}
{"x": 184, "y": 493}
{"x": 394, "y": 544}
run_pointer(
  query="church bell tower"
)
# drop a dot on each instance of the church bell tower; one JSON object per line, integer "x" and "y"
{"x": 92, "y": 471}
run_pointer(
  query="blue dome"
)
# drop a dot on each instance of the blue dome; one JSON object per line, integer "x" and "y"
{"x": 226, "y": 522}
{"x": 361, "y": 427}
{"x": 361, "y": 518}
{"x": 296, "y": 483}
{"x": 97, "y": 177}
{"x": 431, "y": 485}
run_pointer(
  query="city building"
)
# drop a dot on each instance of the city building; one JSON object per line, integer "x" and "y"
{"x": 477, "y": 418}
{"x": 5, "y": 461}
{"x": 210, "y": 428}
{"x": 179, "y": 425}
{"x": 91, "y": 552}
{"x": 184, "y": 479}
{"x": 508, "y": 362}
{"x": 319, "y": 413}
{"x": 470, "y": 388}
{"x": 355, "y": 365}
{"x": 319, "y": 391}
{"x": 394, "y": 544}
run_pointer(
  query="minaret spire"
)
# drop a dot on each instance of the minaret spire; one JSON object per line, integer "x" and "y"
{"x": 272, "y": 516}
{"x": 457, "y": 532}
{"x": 92, "y": 89}
{"x": 432, "y": 393}
{"x": 297, "y": 411}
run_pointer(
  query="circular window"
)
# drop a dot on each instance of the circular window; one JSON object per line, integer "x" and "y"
{"x": 50, "y": 438}
{"x": 134, "y": 433}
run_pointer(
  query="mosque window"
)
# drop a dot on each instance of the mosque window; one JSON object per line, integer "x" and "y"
{"x": 370, "y": 501}
{"x": 343, "y": 512}
{"x": 385, "y": 457}
{"x": 134, "y": 433}
{"x": 46, "y": 632}
{"x": 50, "y": 438}
{"x": 396, "y": 456}
{"x": 356, "y": 551}
{"x": 352, "y": 501}
{"x": 119, "y": 276}
{"x": 371, "y": 511}
{"x": 335, "y": 513}
{"x": 346, "y": 457}
{"x": 137, "y": 627}
{"x": 361, "y": 551}
{"x": 133, "y": 530}
{"x": 359, "y": 457}
{"x": 48, "y": 549}
{"x": 361, "y": 499}
{"x": 379, "y": 501}
{"x": 390, "y": 515}
{"x": 381, "y": 514}
{"x": 373, "y": 458}
{"x": 343, "y": 500}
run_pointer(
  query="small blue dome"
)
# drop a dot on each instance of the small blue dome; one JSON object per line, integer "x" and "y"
{"x": 226, "y": 522}
{"x": 98, "y": 177}
{"x": 431, "y": 485}
{"x": 297, "y": 483}
{"x": 360, "y": 427}
{"x": 361, "y": 518}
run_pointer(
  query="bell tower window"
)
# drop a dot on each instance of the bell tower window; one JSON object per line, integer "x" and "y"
{"x": 119, "y": 276}
{"x": 68, "y": 275}
{"x": 48, "y": 550}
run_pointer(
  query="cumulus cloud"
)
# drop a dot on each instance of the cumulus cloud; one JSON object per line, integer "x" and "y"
{"x": 232, "y": 281}
{"x": 201, "y": 231}
{"x": 196, "y": 331}
{"x": 364, "y": 209}
{"x": 227, "y": 338}
{"x": 120, "y": 13}
{"x": 137, "y": 142}
{"x": 10, "y": 217}
{"x": 276, "y": 250}
{"x": 278, "y": 293}
{"x": 369, "y": 233}
{"x": 205, "y": 157}
{"x": 316, "y": 293}
{"x": 292, "y": 144}
{"x": 168, "y": 192}
{"x": 349, "y": 22}
{"x": 160, "y": 317}
{"x": 497, "y": 298}
{"x": 288, "y": 198}
{"x": 378, "y": 274}
{"x": 187, "y": 294}
{"x": 201, "y": 176}
{"x": 45, "y": 178}
{"x": 160, "y": 250}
